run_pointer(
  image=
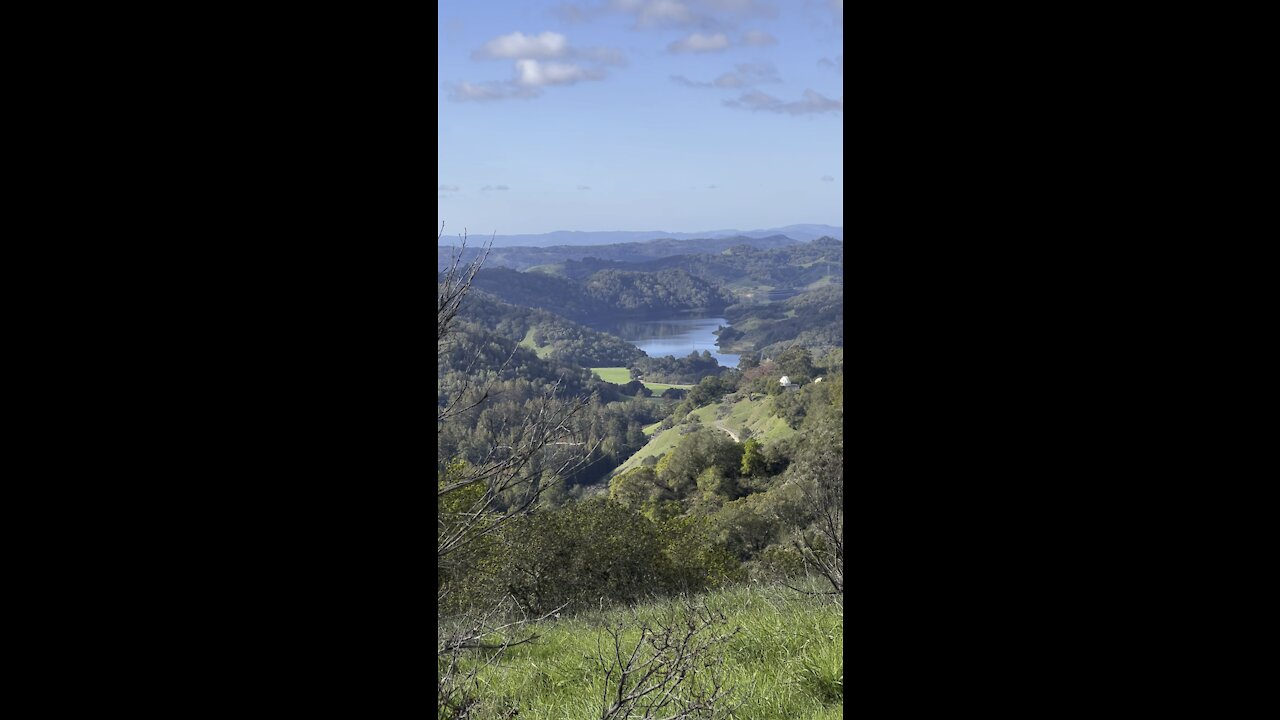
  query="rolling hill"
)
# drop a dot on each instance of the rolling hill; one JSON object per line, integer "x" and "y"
{"x": 802, "y": 233}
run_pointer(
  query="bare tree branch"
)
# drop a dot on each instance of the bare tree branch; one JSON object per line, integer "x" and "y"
{"x": 674, "y": 671}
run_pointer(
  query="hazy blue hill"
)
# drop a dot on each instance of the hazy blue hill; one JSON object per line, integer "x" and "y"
{"x": 523, "y": 258}
{"x": 803, "y": 233}
{"x": 792, "y": 266}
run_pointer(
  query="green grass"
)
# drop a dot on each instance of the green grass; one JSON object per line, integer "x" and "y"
{"x": 664, "y": 443}
{"x": 617, "y": 375}
{"x": 705, "y": 414}
{"x": 757, "y": 417}
{"x": 648, "y": 429}
{"x": 785, "y": 663}
{"x": 753, "y": 415}
{"x": 661, "y": 387}
{"x": 622, "y": 376}
{"x": 542, "y": 352}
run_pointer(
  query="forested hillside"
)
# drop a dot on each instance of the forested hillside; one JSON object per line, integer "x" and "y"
{"x": 605, "y": 293}
{"x": 547, "y": 334}
{"x": 793, "y": 266}
{"x": 813, "y": 319}
{"x": 589, "y": 533}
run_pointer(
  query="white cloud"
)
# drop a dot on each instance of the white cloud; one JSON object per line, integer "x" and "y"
{"x": 667, "y": 14}
{"x": 518, "y": 45}
{"x": 745, "y": 7}
{"x": 699, "y": 43}
{"x": 548, "y": 45}
{"x": 757, "y": 38}
{"x": 660, "y": 13}
{"x": 602, "y": 55}
{"x": 531, "y": 73}
{"x": 744, "y": 75}
{"x": 811, "y": 103}
{"x": 480, "y": 92}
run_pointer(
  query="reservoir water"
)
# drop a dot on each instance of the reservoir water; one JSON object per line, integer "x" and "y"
{"x": 670, "y": 335}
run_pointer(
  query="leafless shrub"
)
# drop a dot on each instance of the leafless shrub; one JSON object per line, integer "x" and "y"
{"x": 466, "y": 647}
{"x": 822, "y": 546}
{"x": 456, "y": 282}
{"x": 673, "y": 671}
{"x": 547, "y": 425}
{"x": 820, "y": 475}
{"x": 476, "y": 499}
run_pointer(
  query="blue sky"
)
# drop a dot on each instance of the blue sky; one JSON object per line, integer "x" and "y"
{"x": 678, "y": 115}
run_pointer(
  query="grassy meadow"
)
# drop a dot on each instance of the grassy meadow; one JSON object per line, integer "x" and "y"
{"x": 786, "y": 661}
{"x": 622, "y": 376}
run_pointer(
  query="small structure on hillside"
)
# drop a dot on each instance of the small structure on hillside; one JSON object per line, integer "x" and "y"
{"x": 818, "y": 380}
{"x": 785, "y": 381}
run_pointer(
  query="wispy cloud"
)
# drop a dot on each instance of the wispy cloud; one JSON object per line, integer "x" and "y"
{"x": 573, "y": 14}
{"x": 545, "y": 46}
{"x": 494, "y": 187}
{"x": 712, "y": 187}
{"x": 670, "y": 14}
{"x": 481, "y": 92}
{"x": 828, "y": 178}
{"x": 518, "y": 45}
{"x": 743, "y": 75}
{"x": 584, "y": 187}
{"x": 755, "y": 38}
{"x": 837, "y": 64}
{"x": 659, "y": 13}
{"x": 602, "y": 55}
{"x": 448, "y": 188}
{"x": 533, "y": 67}
{"x": 699, "y": 43}
{"x": 531, "y": 73}
{"x": 811, "y": 103}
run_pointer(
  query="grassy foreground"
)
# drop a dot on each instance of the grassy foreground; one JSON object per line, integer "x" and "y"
{"x": 786, "y": 662}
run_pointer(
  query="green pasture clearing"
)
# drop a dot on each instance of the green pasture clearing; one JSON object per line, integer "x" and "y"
{"x": 616, "y": 375}
{"x": 542, "y": 352}
{"x": 622, "y": 376}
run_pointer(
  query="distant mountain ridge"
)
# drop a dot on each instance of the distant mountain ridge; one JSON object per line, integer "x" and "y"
{"x": 801, "y": 233}
{"x": 523, "y": 257}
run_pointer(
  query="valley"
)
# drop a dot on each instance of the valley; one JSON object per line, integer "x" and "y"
{"x": 643, "y": 428}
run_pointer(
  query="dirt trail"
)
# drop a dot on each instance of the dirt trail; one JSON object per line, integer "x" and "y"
{"x": 720, "y": 425}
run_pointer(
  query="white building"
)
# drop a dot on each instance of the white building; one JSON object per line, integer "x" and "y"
{"x": 785, "y": 381}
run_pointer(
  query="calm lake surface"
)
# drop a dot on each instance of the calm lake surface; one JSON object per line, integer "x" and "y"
{"x": 678, "y": 336}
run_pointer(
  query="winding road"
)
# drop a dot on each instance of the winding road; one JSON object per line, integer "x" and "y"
{"x": 720, "y": 425}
